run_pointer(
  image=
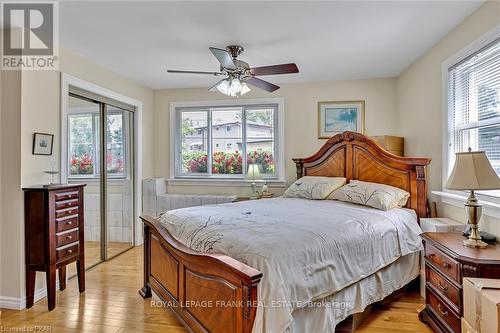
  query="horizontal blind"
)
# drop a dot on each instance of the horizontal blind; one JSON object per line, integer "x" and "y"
{"x": 474, "y": 104}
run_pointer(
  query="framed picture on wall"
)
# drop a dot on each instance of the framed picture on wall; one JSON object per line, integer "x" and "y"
{"x": 43, "y": 143}
{"x": 339, "y": 116}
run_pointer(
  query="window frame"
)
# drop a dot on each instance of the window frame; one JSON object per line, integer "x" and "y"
{"x": 447, "y": 133}
{"x": 96, "y": 144}
{"x": 175, "y": 139}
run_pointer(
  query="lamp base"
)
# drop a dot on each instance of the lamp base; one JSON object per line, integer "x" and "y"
{"x": 476, "y": 243}
{"x": 473, "y": 210}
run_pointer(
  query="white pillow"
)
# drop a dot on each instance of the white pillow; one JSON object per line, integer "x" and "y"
{"x": 314, "y": 188}
{"x": 379, "y": 196}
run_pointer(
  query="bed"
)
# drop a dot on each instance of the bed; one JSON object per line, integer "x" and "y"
{"x": 214, "y": 292}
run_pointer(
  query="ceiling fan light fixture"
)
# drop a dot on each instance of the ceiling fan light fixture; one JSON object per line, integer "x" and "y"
{"x": 238, "y": 72}
{"x": 244, "y": 89}
{"x": 235, "y": 87}
{"x": 223, "y": 87}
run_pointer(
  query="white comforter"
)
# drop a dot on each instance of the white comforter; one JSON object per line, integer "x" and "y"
{"x": 306, "y": 250}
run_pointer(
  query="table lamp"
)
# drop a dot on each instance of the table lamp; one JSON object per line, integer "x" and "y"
{"x": 253, "y": 174}
{"x": 472, "y": 171}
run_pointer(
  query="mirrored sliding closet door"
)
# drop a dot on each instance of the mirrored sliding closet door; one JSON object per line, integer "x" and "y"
{"x": 100, "y": 154}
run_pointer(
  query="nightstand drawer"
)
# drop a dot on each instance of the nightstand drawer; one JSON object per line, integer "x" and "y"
{"x": 66, "y": 195}
{"x": 441, "y": 284}
{"x": 67, "y": 237}
{"x": 67, "y": 252}
{"x": 447, "y": 260}
{"x": 443, "y": 311}
{"x": 66, "y": 223}
{"x": 66, "y": 212}
{"x": 442, "y": 262}
{"x": 66, "y": 203}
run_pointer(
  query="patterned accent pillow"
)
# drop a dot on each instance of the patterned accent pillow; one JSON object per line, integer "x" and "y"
{"x": 379, "y": 196}
{"x": 314, "y": 188}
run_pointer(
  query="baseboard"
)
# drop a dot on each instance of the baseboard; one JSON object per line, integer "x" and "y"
{"x": 15, "y": 303}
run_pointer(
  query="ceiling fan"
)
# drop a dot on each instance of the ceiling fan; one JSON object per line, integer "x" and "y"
{"x": 238, "y": 73}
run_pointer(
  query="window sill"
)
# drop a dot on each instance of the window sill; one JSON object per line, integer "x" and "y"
{"x": 273, "y": 183}
{"x": 491, "y": 205}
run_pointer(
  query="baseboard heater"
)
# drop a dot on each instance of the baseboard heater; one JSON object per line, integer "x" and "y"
{"x": 156, "y": 200}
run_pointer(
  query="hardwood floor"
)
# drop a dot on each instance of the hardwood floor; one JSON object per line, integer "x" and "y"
{"x": 111, "y": 304}
{"x": 93, "y": 254}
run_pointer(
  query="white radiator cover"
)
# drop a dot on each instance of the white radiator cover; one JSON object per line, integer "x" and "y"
{"x": 156, "y": 200}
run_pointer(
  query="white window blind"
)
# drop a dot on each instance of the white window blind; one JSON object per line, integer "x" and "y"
{"x": 474, "y": 105}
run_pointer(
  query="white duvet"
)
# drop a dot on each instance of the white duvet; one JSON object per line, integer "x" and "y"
{"x": 306, "y": 249}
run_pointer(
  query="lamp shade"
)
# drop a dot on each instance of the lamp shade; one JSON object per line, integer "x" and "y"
{"x": 472, "y": 171}
{"x": 253, "y": 172}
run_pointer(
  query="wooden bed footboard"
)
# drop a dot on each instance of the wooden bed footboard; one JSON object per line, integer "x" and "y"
{"x": 208, "y": 293}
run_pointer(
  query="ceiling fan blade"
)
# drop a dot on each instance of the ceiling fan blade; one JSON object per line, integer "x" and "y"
{"x": 214, "y": 87}
{"x": 193, "y": 72}
{"x": 275, "y": 69}
{"x": 223, "y": 57}
{"x": 267, "y": 86}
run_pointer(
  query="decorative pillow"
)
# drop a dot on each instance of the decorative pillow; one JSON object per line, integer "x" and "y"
{"x": 314, "y": 188}
{"x": 379, "y": 196}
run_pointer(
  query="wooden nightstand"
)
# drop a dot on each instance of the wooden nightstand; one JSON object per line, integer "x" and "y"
{"x": 447, "y": 261}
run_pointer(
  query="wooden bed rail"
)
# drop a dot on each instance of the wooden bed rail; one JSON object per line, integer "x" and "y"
{"x": 207, "y": 292}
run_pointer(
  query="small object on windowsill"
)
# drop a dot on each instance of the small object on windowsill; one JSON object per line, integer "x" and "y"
{"x": 265, "y": 189}
{"x": 266, "y": 195}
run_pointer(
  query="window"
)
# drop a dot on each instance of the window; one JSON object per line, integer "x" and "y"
{"x": 250, "y": 137}
{"x": 84, "y": 138}
{"x": 474, "y": 105}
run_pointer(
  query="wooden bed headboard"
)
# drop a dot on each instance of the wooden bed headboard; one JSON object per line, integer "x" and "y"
{"x": 355, "y": 156}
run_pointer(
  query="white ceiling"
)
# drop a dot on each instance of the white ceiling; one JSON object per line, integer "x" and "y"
{"x": 327, "y": 40}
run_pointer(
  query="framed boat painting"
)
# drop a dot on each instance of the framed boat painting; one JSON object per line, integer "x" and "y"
{"x": 339, "y": 116}
{"x": 43, "y": 144}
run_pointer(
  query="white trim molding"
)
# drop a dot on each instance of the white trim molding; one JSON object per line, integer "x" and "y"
{"x": 174, "y": 180}
{"x": 220, "y": 182}
{"x": 15, "y": 303}
{"x": 491, "y": 206}
{"x": 66, "y": 81}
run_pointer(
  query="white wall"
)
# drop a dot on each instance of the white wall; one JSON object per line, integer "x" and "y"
{"x": 420, "y": 112}
{"x": 301, "y": 119}
{"x": 11, "y": 213}
{"x": 1, "y": 179}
